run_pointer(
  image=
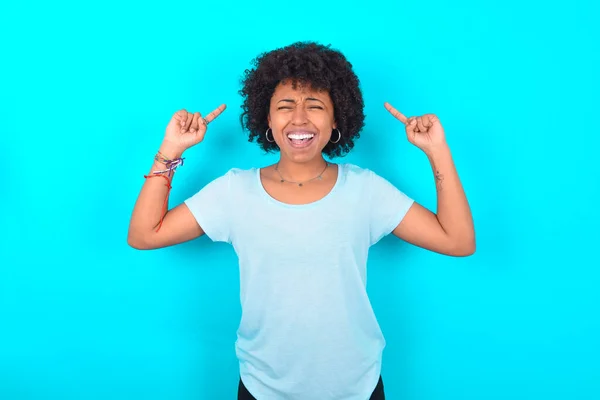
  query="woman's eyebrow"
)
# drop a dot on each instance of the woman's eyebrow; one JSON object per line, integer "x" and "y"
{"x": 293, "y": 101}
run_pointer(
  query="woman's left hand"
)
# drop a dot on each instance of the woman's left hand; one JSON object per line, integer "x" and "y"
{"x": 425, "y": 132}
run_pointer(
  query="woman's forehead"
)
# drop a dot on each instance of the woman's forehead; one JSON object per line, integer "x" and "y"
{"x": 299, "y": 89}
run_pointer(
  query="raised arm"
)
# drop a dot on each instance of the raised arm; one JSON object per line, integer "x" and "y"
{"x": 451, "y": 230}
{"x": 152, "y": 224}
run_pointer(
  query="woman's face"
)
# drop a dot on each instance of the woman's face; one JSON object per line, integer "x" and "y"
{"x": 301, "y": 120}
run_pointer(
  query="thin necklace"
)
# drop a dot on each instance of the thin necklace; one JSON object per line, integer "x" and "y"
{"x": 319, "y": 177}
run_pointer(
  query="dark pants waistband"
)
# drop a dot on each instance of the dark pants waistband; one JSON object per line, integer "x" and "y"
{"x": 244, "y": 394}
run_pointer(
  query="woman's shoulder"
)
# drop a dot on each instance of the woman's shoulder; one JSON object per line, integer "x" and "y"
{"x": 354, "y": 171}
{"x": 236, "y": 171}
{"x": 241, "y": 174}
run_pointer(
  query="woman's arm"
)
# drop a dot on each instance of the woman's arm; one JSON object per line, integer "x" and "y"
{"x": 177, "y": 225}
{"x": 451, "y": 231}
{"x": 151, "y": 225}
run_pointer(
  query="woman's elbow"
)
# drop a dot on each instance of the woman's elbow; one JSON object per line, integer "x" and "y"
{"x": 465, "y": 248}
{"x": 137, "y": 241}
{"x": 459, "y": 247}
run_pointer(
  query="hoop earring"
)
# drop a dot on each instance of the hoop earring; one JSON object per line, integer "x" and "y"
{"x": 267, "y": 136}
{"x": 339, "y": 137}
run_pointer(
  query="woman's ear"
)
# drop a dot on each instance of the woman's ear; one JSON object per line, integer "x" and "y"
{"x": 269, "y": 119}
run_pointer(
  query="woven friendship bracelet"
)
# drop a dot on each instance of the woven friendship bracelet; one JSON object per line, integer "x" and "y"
{"x": 171, "y": 165}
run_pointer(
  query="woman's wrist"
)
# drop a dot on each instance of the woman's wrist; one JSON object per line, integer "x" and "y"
{"x": 435, "y": 153}
{"x": 170, "y": 151}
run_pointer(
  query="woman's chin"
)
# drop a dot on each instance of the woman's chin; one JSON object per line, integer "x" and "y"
{"x": 302, "y": 155}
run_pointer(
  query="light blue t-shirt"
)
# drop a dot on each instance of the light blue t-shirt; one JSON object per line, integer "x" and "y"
{"x": 307, "y": 329}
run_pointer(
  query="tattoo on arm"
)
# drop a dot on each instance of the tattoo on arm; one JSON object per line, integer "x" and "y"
{"x": 439, "y": 178}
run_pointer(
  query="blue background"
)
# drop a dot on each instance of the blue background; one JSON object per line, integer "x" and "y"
{"x": 87, "y": 91}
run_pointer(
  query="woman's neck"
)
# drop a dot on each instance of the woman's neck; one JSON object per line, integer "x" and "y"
{"x": 300, "y": 172}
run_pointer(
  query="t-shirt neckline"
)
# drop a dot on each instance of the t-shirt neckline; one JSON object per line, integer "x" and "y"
{"x": 263, "y": 191}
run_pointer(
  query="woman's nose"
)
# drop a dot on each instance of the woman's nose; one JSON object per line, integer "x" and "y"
{"x": 299, "y": 116}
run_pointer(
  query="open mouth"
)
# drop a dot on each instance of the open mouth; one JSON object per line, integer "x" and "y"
{"x": 300, "y": 139}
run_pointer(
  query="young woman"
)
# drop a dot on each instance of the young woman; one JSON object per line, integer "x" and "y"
{"x": 302, "y": 227}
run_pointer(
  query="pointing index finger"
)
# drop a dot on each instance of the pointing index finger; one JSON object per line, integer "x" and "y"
{"x": 215, "y": 113}
{"x": 397, "y": 114}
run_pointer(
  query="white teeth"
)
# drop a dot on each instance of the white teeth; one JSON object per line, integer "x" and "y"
{"x": 299, "y": 136}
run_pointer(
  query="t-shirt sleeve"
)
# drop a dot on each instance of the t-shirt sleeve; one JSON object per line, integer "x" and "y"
{"x": 388, "y": 206}
{"x": 211, "y": 208}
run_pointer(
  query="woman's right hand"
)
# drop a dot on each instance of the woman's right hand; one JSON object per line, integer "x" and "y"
{"x": 187, "y": 129}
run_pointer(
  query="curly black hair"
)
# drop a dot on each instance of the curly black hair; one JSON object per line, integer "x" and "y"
{"x": 303, "y": 63}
